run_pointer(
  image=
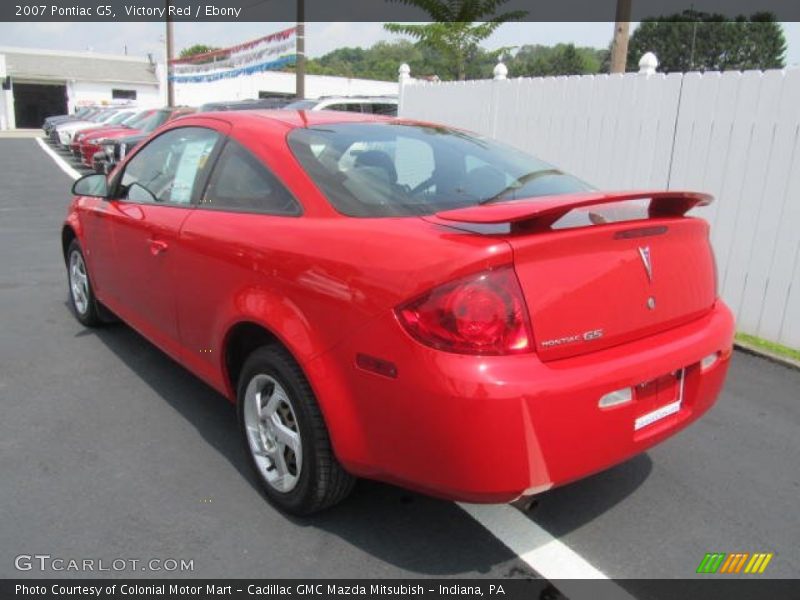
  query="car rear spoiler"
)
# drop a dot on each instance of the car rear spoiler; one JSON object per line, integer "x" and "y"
{"x": 541, "y": 212}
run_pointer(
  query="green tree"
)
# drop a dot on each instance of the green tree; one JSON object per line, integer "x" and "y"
{"x": 562, "y": 59}
{"x": 197, "y": 49}
{"x": 698, "y": 41}
{"x": 458, "y": 29}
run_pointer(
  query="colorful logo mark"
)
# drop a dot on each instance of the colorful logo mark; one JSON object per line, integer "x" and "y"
{"x": 736, "y": 562}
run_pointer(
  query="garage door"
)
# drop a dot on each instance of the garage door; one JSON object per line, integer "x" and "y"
{"x": 34, "y": 102}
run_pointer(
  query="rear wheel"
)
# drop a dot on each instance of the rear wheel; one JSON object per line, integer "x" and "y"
{"x": 81, "y": 294}
{"x": 285, "y": 435}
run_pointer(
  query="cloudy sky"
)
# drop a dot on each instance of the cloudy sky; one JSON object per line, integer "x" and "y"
{"x": 142, "y": 38}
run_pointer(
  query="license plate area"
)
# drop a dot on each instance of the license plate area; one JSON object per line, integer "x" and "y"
{"x": 658, "y": 398}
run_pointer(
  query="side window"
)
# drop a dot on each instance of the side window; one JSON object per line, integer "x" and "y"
{"x": 383, "y": 109}
{"x": 344, "y": 106}
{"x": 240, "y": 182}
{"x": 167, "y": 169}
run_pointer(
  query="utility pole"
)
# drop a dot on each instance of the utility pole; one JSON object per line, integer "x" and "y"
{"x": 170, "y": 32}
{"x": 300, "y": 65}
{"x": 619, "y": 48}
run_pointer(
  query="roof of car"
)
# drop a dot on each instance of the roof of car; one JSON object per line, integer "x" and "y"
{"x": 296, "y": 118}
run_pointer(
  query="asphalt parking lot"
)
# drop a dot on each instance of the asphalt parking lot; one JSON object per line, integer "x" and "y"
{"x": 110, "y": 449}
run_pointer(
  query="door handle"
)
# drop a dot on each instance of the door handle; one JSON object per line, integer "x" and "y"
{"x": 157, "y": 247}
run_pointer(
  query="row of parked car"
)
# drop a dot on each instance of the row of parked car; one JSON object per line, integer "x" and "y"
{"x": 99, "y": 137}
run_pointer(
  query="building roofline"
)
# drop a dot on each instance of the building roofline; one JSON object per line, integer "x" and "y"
{"x": 72, "y": 54}
{"x": 61, "y": 79}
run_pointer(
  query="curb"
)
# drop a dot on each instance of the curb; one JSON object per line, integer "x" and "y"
{"x": 766, "y": 354}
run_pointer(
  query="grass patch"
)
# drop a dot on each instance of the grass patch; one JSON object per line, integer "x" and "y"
{"x": 772, "y": 347}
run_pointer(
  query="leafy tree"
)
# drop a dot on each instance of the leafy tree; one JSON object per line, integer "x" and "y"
{"x": 562, "y": 59}
{"x": 458, "y": 28}
{"x": 197, "y": 49}
{"x": 698, "y": 41}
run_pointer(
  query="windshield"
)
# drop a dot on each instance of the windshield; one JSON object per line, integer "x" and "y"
{"x": 154, "y": 121}
{"x": 119, "y": 117}
{"x": 134, "y": 121}
{"x": 396, "y": 169}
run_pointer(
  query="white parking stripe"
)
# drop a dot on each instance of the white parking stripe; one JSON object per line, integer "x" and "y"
{"x": 548, "y": 556}
{"x": 62, "y": 164}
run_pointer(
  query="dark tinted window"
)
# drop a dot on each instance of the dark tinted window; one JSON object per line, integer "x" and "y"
{"x": 382, "y": 109}
{"x": 123, "y": 94}
{"x": 241, "y": 182}
{"x": 345, "y": 107}
{"x": 167, "y": 169}
{"x": 388, "y": 169}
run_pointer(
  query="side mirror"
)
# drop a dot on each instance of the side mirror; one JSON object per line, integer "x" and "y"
{"x": 91, "y": 185}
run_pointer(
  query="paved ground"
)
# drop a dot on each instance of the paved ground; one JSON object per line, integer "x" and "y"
{"x": 109, "y": 449}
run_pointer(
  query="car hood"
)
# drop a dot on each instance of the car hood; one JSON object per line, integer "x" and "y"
{"x": 73, "y": 125}
{"x": 109, "y": 133}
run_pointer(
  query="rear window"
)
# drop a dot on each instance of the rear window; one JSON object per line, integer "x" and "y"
{"x": 399, "y": 169}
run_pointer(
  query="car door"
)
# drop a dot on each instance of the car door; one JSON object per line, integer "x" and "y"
{"x": 98, "y": 243}
{"x": 152, "y": 196}
{"x": 243, "y": 220}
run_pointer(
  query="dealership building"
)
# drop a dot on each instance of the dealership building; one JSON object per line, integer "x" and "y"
{"x": 38, "y": 83}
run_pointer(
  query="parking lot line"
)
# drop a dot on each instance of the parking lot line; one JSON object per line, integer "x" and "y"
{"x": 62, "y": 164}
{"x": 548, "y": 556}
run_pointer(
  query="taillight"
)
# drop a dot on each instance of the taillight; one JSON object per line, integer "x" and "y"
{"x": 480, "y": 314}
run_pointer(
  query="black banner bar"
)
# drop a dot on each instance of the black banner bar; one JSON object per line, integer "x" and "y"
{"x": 366, "y": 10}
{"x": 710, "y": 588}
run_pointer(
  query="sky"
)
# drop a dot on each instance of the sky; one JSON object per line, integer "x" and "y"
{"x": 142, "y": 38}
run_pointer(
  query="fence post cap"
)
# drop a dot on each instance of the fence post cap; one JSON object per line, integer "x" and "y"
{"x": 648, "y": 63}
{"x": 500, "y": 71}
{"x": 404, "y": 71}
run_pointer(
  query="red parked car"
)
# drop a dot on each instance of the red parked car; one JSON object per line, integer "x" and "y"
{"x": 403, "y": 301}
{"x": 116, "y": 122}
{"x": 89, "y": 142}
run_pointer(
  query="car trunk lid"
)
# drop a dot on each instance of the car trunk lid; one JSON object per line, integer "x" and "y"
{"x": 603, "y": 282}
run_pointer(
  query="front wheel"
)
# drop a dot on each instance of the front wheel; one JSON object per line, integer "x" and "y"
{"x": 81, "y": 294}
{"x": 285, "y": 435}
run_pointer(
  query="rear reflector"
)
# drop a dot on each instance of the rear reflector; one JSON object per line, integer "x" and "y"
{"x": 709, "y": 361}
{"x": 615, "y": 398}
{"x": 376, "y": 365}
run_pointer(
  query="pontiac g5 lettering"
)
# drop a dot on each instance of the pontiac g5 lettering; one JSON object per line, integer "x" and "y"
{"x": 402, "y": 301}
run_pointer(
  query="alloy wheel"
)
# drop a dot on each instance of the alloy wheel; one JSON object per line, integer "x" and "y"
{"x": 79, "y": 283}
{"x": 272, "y": 432}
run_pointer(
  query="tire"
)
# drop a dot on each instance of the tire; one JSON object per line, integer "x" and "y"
{"x": 272, "y": 380}
{"x": 81, "y": 295}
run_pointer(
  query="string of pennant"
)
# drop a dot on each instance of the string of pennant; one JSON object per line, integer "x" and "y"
{"x": 267, "y": 39}
{"x": 250, "y": 57}
{"x": 236, "y": 60}
{"x": 231, "y": 73}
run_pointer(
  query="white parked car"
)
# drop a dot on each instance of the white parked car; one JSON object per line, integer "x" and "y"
{"x": 371, "y": 105}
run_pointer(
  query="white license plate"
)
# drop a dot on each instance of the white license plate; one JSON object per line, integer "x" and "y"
{"x": 662, "y": 412}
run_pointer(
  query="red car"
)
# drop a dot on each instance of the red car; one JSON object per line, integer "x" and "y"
{"x": 88, "y": 142}
{"x": 403, "y": 301}
{"x": 116, "y": 122}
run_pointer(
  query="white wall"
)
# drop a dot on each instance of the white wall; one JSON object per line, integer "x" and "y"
{"x": 147, "y": 96}
{"x": 241, "y": 88}
{"x": 6, "y": 108}
{"x": 735, "y": 135}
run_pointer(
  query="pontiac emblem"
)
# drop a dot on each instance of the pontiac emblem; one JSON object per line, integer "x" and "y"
{"x": 644, "y": 253}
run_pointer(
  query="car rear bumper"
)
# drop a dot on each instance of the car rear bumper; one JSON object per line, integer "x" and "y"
{"x": 490, "y": 429}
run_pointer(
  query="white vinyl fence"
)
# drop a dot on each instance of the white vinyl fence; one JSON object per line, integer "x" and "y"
{"x": 734, "y": 135}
